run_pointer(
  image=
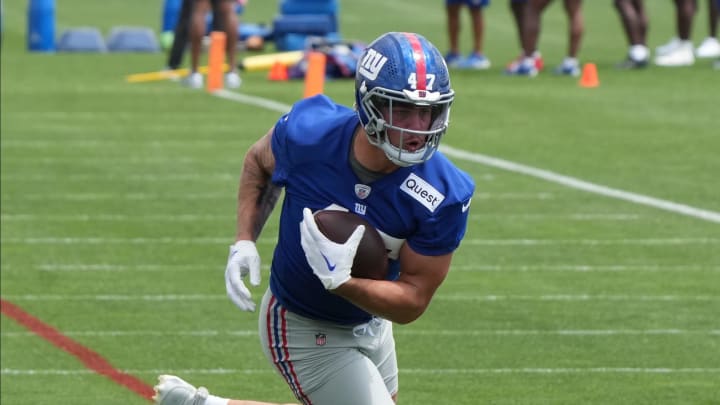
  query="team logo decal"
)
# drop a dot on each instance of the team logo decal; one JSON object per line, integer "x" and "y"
{"x": 320, "y": 339}
{"x": 362, "y": 191}
{"x": 371, "y": 65}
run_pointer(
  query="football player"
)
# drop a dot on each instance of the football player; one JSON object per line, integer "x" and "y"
{"x": 330, "y": 335}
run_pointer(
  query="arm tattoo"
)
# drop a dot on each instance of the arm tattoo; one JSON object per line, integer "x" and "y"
{"x": 267, "y": 197}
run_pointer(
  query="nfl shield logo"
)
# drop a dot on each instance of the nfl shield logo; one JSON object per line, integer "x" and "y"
{"x": 320, "y": 339}
{"x": 362, "y": 191}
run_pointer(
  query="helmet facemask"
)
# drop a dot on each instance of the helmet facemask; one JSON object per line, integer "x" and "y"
{"x": 378, "y": 106}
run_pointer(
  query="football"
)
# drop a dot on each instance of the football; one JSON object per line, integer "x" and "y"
{"x": 371, "y": 259}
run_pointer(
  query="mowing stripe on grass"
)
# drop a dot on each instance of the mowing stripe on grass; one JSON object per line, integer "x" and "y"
{"x": 120, "y": 176}
{"x": 518, "y": 168}
{"x": 475, "y": 241}
{"x": 398, "y": 332}
{"x": 448, "y": 297}
{"x": 581, "y": 268}
{"x": 436, "y": 371}
{"x": 17, "y": 217}
{"x": 92, "y": 360}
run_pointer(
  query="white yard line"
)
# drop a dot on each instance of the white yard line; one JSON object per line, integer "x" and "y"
{"x": 567, "y": 181}
{"x": 583, "y": 185}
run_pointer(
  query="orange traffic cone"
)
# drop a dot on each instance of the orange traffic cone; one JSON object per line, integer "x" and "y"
{"x": 589, "y": 77}
{"x": 315, "y": 74}
{"x": 278, "y": 72}
{"x": 216, "y": 60}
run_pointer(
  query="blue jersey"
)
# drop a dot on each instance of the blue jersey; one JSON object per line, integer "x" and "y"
{"x": 424, "y": 205}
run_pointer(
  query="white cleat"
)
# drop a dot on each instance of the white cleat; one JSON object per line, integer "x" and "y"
{"x": 683, "y": 55}
{"x": 709, "y": 48}
{"x": 232, "y": 80}
{"x": 194, "y": 80}
{"x": 172, "y": 390}
{"x": 668, "y": 47}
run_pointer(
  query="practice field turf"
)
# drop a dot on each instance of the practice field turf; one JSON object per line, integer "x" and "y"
{"x": 590, "y": 273}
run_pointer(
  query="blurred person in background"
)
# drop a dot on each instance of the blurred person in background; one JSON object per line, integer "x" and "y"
{"x": 476, "y": 59}
{"x": 570, "y": 65}
{"x": 635, "y": 21}
{"x": 180, "y": 35}
{"x": 517, "y": 7}
{"x": 224, "y": 19}
{"x": 679, "y": 51}
{"x": 710, "y": 46}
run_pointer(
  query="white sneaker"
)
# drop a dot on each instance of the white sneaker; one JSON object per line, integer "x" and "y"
{"x": 684, "y": 55}
{"x": 194, "y": 80}
{"x": 668, "y": 47}
{"x": 232, "y": 80}
{"x": 709, "y": 48}
{"x": 173, "y": 390}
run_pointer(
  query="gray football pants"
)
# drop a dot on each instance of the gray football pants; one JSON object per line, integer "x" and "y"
{"x": 330, "y": 364}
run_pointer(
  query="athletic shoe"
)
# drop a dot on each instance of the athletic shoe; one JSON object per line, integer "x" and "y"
{"x": 173, "y": 390}
{"x": 170, "y": 73}
{"x": 683, "y": 55}
{"x": 709, "y": 48}
{"x": 475, "y": 61}
{"x": 668, "y": 47}
{"x": 452, "y": 59}
{"x": 569, "y": 67}
{"x": 194, "y": 80}
{"x": 537, "y": 57}
{"x": 232, "y": 80}
{"x": 525, "y": 68}
{"x": 630, "y": 63}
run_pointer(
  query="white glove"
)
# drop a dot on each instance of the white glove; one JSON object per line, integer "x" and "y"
{"x": 242, "y": 260}
{"x": 331, "y": 262}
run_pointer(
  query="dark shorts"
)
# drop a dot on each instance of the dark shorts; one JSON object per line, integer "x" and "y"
{"x": 469, "y": 3}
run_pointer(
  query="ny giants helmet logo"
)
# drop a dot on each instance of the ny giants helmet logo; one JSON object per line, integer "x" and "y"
{"x": 371, "y": 64}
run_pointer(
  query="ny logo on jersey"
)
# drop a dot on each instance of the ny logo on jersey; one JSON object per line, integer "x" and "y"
{"x": 371, "y": 64}
{"x": 360, "y": 209}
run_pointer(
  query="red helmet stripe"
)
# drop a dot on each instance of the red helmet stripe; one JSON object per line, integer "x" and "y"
{"x": 419, "y": 56}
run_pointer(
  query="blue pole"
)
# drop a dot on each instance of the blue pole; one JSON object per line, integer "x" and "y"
{"x": 41, "y": 26}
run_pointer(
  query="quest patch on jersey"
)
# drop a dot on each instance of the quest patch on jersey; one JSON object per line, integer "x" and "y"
{"x": 422, "y": 191}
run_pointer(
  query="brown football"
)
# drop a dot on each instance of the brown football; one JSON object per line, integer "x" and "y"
{"x": 371, "y": 260}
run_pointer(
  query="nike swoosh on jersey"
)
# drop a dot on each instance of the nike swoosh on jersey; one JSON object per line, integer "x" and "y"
{"x": 466, "y": 206}
{"x": 330, "y": 266}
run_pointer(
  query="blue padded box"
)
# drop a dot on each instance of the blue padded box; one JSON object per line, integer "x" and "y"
{"x": 132, "y": 39}
{"x": 81, "y": 39}
{"x": 309, "y": 7}
{"x": 309, "y": 24}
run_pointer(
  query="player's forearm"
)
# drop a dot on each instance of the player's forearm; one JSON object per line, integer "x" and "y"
{"x": 254, "y": 208}
{"x": 395, "y": 301}
{"x": 257, "y": 197}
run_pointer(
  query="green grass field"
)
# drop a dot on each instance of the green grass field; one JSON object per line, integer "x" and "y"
{"x": 118, "y": 205}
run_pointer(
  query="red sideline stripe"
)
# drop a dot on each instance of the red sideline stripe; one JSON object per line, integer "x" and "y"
{"x": 92, "y": 360}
